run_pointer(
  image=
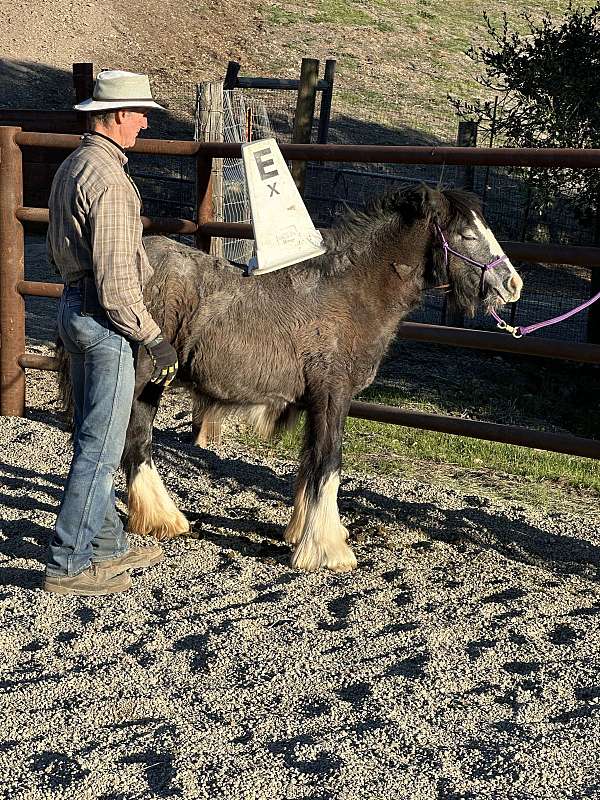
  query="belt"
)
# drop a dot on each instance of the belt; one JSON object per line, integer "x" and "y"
{"x": 78, "y": 281}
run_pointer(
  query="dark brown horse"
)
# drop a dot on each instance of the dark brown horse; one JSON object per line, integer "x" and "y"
{"x": 307, "y": 338}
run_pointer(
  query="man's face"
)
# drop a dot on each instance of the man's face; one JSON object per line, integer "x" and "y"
{"x": 131, "y": 124}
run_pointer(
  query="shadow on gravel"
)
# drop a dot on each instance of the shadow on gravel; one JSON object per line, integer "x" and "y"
{"x": 23, "y": 538}
{"x": 362, "y": 508}
{"x": 473, "y": 525}
{"x": 24, "y": 578}
{"x": 513, "y": 538}
{"x": 233, "y": 473}
{"x": 19, "y": 478}
{"x": 55, "y": 419}
{"x": 242, "y": 545}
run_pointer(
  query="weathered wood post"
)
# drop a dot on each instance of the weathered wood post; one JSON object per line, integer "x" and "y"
{"x": 12, "y": 270}
{"x": 204, "y": 205}
{"x": 303, "y": 118}
{"x": 326, "y": 99}
{"x": 204, "y": 430}
{"x": 210, "y": 129}
{"x": 83, "y": 83}
{"x": 231, "y": 76}
{"x": 466, "y": 137}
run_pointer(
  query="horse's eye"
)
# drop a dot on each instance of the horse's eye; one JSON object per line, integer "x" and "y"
{"x": 467, "y": 237}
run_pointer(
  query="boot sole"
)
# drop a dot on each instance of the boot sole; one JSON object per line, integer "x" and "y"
{"x": 86, "y": 592}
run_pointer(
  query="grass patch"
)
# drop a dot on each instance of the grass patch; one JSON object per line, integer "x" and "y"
{"x": 359, "y": 97}
{"x": 329, "y": 12}
{"x": 279, "y": 16}
{"x": 342, "y": 12}
{"x": 534, "y": 478}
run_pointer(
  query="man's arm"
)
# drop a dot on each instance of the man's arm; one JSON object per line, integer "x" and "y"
{"x": 115, "y": 232}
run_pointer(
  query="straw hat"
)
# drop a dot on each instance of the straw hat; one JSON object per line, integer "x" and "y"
{"x": 115, "y": 88}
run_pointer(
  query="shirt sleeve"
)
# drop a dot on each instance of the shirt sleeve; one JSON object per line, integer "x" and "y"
{"x": 50, "y": 253}
{"x": 115, "y": 237}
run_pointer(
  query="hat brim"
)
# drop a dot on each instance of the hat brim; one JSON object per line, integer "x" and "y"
{"x": 114, "y": 105}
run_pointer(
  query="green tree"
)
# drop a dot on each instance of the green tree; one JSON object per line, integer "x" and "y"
{"x": 547, "y": 81}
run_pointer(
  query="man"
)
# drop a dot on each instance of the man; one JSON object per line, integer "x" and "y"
{"x": 95, "y": 242}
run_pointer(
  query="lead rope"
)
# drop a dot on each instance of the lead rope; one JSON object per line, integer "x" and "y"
{"x": 519, "y": 331}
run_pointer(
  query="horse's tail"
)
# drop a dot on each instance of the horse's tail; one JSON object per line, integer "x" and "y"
{"x": 65, "y": 389}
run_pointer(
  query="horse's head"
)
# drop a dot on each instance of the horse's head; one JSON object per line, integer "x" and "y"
{"x": 465, "y": 254}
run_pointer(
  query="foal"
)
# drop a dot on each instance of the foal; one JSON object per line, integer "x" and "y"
{"x": 307, "y": 339}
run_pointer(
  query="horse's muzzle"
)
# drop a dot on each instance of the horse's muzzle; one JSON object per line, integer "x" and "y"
{"x": 514, "y": 285}
{"x": 505, "y": 289}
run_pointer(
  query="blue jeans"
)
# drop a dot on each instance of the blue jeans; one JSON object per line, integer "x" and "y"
{"x": 88, "y": 528}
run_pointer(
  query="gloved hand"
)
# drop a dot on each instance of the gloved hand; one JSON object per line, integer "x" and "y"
{"x": 164, "y": 360}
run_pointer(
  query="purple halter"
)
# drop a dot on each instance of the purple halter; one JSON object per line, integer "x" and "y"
{"x": 483, "y": 267}
{"x": 519, "y": 330}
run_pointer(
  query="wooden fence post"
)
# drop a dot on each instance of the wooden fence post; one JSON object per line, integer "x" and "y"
{"x": 12, "y": 270}
{"x": 83, "y": 82}
{"x": 326, "y": 98}
{"x": 205, "y": 430}
{"x": 303, "y": 118}
{"x": 466, "y": 137}
{"x": 204, "y": 204}
{"x": 210, "y": 129}
{"x": 231, "y": 76}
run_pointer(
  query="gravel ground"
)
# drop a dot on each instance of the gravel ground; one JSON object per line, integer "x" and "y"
{"x": 459, "y": 661}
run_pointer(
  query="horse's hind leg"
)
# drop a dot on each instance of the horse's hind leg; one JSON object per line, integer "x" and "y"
{"x": 315, "y": 526}
{"x": 151, "y": 509}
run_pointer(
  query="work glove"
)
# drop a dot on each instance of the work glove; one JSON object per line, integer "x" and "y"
{"x": 164, "y": 360}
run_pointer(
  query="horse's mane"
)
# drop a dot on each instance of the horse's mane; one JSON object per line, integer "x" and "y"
{"x": 399, "y": 208}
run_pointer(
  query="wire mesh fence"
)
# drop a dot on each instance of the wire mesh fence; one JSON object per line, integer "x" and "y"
{"x": 512, "y": 205}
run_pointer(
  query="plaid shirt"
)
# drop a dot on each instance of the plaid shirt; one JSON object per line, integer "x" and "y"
{"x": 95, "y": 227}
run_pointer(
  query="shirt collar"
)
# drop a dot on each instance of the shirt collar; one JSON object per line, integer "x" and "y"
{"x": 109, "y": 145}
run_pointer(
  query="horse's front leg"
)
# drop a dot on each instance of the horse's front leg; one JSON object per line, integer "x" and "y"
{"x": 151, "y": 509}
{"x": 315, "y": 528}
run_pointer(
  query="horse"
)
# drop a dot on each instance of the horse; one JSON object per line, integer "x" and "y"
{"x": 306, "y": 339}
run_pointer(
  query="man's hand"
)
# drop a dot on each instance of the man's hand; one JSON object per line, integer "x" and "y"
{"x": 164, "y": 360}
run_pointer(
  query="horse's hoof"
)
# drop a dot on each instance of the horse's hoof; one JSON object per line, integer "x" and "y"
{"x": 343, "y": 560}
{"x": 343, "y": 566}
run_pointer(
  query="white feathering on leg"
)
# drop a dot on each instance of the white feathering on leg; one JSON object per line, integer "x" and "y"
{"x": 323, "y": 540}
{"x": 293, "y": 532}
{"x": 151, "y": 509}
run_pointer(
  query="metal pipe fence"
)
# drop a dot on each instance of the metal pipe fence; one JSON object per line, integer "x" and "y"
{"x": 13, "y": 216}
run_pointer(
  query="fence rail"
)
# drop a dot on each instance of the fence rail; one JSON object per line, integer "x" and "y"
{"x": 382, "y": 154}
{"x": 522, "y": 251}
{"x": 13, "y": 215}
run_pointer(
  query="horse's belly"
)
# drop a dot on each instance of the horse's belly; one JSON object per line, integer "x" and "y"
{"x": 239, "y": 377}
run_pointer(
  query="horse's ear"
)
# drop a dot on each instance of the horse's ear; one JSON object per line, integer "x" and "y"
{"x": 429, "y": 200}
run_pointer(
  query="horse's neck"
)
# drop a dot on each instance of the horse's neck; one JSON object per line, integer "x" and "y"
{"x": 392, "y": 268}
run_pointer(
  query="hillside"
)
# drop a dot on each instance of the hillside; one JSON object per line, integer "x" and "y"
{"x": 404, "y": 53}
